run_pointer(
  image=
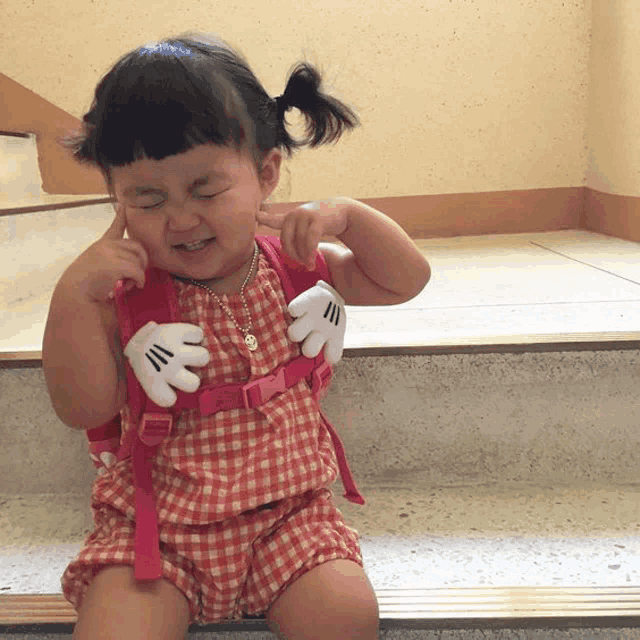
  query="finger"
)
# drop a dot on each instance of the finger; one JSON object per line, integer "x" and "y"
{"x": 185, "y": 332}
{"x": 295, "y": 230}
{"x": 119, "y": 224}
{"x": 300, "y": 238}
{"x": 300, "y": 304}
{"x": 333, "y": 350}
{"x": 301, "y": 328}
{"x": 133, "y": 275}
{"x": 286, "y": 237}
{"x": 313, "y": 344}
{"x": 185, "y": 380}
{"x": 126, "y": 283}
{"x": 269, "y": 219}
{"x": 314, "y": 235}
{"x": 135, "y": 259}
{"x": 194, "y": 356}
{"x": 135, "y": 248}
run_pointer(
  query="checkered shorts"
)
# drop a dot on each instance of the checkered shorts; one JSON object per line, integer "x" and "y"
{"x": 231, "y": 568}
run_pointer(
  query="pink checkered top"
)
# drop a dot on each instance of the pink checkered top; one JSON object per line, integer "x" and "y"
{"x": 215, "y": 467}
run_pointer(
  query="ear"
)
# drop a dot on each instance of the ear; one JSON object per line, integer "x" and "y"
{"x": 270, "y": 172}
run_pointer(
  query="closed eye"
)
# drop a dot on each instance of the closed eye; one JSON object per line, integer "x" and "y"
{"x": 208, "y": 196}
{"x": 155, "y": 205}
{"x": 201, "y": 196}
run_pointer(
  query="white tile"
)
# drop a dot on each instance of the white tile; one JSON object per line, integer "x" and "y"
{"x": 499, "y": 324}
{"x": 563, "y": 282}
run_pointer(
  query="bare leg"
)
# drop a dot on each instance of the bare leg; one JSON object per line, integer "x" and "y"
{"x": 117, "y": 607}
{"x": 333, "y": 600}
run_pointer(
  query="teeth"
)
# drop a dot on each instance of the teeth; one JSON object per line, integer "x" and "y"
{"x": 194, "y": 246}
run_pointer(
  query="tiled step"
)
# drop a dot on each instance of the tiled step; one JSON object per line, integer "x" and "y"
{"x": 541, "y": 556}
{"x": 21, "y": 184}
{"x": 19, "y": 172}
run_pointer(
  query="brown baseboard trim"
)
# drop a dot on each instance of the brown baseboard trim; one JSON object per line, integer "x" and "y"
{"x": 14, "y": 134}
{"x": 467, "y": 214}
{"x": 43, "y": 205}
{"x": 613, "y": 215}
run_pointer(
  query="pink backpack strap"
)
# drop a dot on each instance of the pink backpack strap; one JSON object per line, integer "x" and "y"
{"x": 157, "y": 301}
{"x": 295, "y": 279}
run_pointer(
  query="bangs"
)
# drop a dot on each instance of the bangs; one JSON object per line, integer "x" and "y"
{"x": 162, "y": 102}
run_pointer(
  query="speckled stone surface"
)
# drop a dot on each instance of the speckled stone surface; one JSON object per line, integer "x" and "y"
{"x": 457, "y": 419}
{"x": 567, "y": 417}
{"x": 411, "y": 538}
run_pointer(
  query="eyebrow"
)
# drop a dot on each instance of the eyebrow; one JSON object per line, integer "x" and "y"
{"x": 148, "y": 190}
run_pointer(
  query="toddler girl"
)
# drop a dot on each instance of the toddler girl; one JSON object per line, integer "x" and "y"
{"x": 190, "y": 145}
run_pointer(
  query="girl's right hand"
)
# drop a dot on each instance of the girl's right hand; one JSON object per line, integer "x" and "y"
{"x": 94, "y": 274}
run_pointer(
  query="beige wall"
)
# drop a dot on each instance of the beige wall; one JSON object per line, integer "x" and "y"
{"x": 455, "y": 96}
{"x": 614, "y": 101}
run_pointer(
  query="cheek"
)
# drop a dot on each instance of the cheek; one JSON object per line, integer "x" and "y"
{"x": 141, "y": 231}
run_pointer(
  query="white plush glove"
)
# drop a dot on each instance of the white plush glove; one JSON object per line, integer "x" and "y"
{"x": 321, "y": 318}
{"x": 158, "y": 356}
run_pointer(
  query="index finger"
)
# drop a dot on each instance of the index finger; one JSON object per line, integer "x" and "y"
{"x": 119, "y": 224}
{"x": 270, "y": 219}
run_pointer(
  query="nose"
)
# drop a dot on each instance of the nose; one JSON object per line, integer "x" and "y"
{"x": 182, "y": 216}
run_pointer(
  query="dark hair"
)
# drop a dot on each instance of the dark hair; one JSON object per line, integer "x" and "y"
{"x": 165, "y": 98}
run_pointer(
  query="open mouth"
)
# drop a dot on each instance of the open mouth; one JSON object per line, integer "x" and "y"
{"x": 192, "y": 247}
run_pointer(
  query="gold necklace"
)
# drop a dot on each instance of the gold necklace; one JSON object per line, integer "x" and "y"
{"x": 249, "y": 339}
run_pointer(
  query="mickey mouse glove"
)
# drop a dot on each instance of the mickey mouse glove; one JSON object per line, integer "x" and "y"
{"x": 320, "y": 319}
{"x": 158, "y": 356}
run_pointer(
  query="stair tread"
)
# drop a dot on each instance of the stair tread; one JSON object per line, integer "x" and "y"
{"x": 445, "y": 538}
{"x": 530, "y": 288}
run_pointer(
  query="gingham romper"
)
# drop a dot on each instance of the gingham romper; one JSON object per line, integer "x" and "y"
{"x": 242, "y": 495}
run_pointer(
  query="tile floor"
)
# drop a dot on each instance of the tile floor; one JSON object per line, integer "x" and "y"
{"x": 553, "y": 286}
{"x": 521, "y": 537}
{"x": 539, "y": 287}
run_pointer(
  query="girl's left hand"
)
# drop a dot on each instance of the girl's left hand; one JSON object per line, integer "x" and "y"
{"x": 302, "y": 229}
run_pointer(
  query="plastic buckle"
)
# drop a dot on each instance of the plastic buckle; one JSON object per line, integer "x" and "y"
{"x": 154, "y": 428}
{"x": 268, "y": 387}
{"x": 320, "y": 378}
{"x": 213, "y": 400}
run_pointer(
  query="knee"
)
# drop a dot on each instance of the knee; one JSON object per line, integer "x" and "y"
{"x": 356, "y": 618}
{"x": 333, "y": 601}
{"x": 353, "y": 620}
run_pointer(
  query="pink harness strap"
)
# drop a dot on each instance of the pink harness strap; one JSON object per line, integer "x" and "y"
{"x": 154, "y": 427}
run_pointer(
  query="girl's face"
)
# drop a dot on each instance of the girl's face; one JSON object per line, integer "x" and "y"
{"x": 208, "y": 195}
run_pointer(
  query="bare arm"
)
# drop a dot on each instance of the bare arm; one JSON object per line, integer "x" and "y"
{"x": 381, "y": 265}
{"x": 82, "y": 365}
{"x": 81, "y": 352}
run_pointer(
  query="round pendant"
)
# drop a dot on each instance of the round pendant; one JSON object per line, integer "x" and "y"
{"x": 251, "y": 342}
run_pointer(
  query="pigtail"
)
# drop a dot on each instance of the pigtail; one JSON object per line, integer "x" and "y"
{"x": 326, "y": 117}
